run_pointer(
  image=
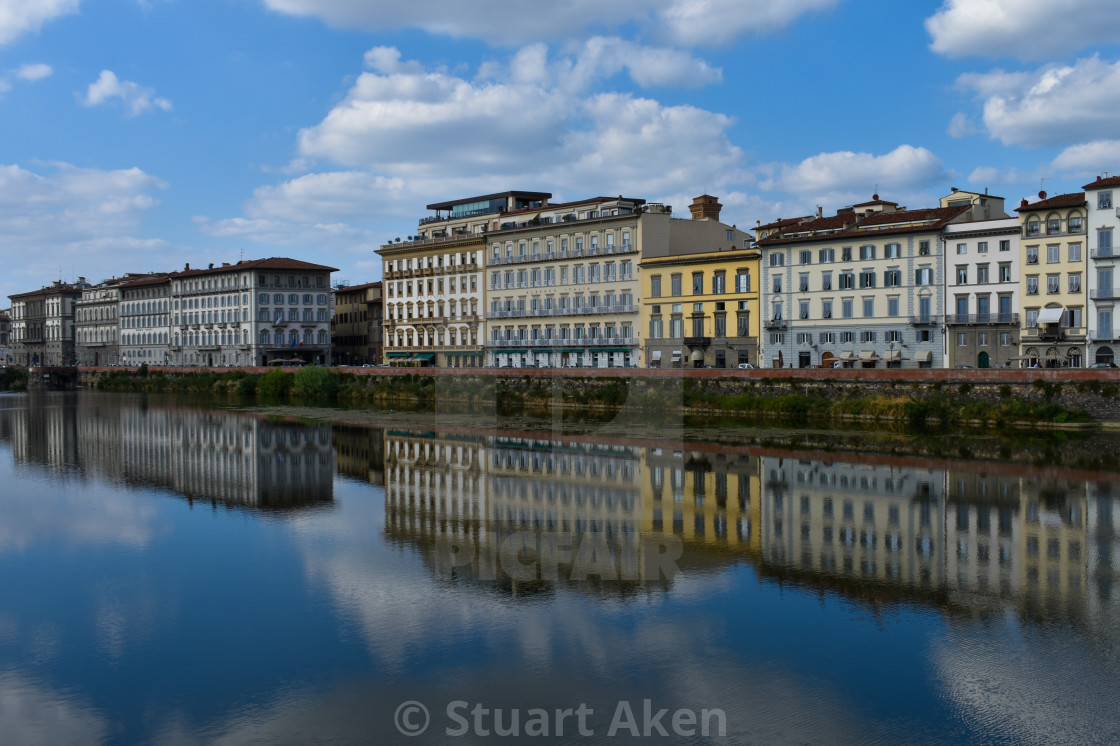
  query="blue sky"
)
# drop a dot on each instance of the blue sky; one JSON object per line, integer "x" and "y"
{"x": 139, "y": 135}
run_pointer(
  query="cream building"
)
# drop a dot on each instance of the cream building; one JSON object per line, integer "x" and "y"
{"x": 433, "y": 282}
{"x": 1103, "y": 272}
{"x": 863, "y": 287}
{"x": 145, "y": 321}
{"x": 97, "y": 323}
{"x": 1052, "y": 284}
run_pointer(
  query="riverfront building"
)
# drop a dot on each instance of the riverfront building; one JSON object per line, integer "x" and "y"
{"x": 250, "y": 313}
{"x": 700, "y": 301}
{"x": 356, "y": 330}
{"x": 145, "y": 320}
{"x": 1052, "y": 284}
{"x": 97, "y": 323}
{"x": 433, "y": 282}
{"x": 981, "y": 288}
{"x": 1102, "y": 273}
{"x": 876, "y": 262}
{"x": 43, "y": 324}
{"x": 5, "y": 335}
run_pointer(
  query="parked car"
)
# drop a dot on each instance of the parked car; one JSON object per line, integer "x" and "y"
{"x": 1103, "y": 365}
{"x": 745, "y": 366}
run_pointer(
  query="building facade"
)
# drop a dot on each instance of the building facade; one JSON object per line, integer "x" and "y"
{"x": 356, "y": 327}
{"x": 561, "y": 285}
{"x": 433, "y": 282}
{"x": 701, "y": 309}
{"x": 5, "y": 335}
{"x": 982, "y": 292}
{"x": 97, "y": 324}
{"x": 1103, "y": 272}
{"x": 43, "y": 325}
{"x": 255, "y": 312}
{"x": 1052, "y": 285}
{"x": 863, "y": 288}
{"x": 145, "y": 313}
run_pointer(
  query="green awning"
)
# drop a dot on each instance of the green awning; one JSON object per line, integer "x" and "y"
{"x": 546, "y": 352}
{"x": 614, "y": 349}
{"x": 510, "y": 352}
{"x": 398, "y": 354}
{"x": 424, "y": 356}
{"x": 572, "y": 349}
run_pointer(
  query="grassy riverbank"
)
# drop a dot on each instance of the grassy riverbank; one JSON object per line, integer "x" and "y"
{"x": 13, "y": 379}
{"x": 920, "y": 406}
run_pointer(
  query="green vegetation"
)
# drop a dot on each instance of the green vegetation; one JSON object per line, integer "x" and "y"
{"x": 13, "y": 379}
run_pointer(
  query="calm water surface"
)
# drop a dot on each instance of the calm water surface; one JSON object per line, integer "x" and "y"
{"x": 180, "y": 575}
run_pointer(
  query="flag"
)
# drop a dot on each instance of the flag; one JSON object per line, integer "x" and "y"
{"x": 293, "y": 343}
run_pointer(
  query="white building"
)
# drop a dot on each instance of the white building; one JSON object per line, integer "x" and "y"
{"x": 145, "y": 321}
{"x": 251, "y": 313}
{"x": 1104, "y": 286}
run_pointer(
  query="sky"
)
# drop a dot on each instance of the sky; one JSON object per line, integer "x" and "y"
{"x": 140, "y": 135}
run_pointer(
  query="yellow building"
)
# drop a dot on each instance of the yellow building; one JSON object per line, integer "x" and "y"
{"x": 356, "y": 327}
{"x": 1052, "y": 280}
{"x": 701, "y": 309}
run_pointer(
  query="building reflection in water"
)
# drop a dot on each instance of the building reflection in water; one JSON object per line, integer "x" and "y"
{"x": 965, "y": 536}
{"x": 207, "y": 455}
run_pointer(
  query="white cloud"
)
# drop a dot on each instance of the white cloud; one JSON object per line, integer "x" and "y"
{"x": 34, "y": 72}
{"x": 1026, "y": 29}
{"x": 690, "y": 22}
{"x": 961, "y": 126}
{"x": 34, "y": 715}
{"x": 1091, "y": 158}
{"x": 135, "y": 98}
{"x": 1054, "y": 105}
{"x": 18, "y": 17}
{"x": 80, "y": 221}
{"x": 845, "y": 177}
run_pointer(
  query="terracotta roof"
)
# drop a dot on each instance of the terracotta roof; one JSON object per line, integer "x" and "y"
{"x": 52, "y": 290}
{"x": 875, "y": 201}
{"x": 352, "y": 288}
{"x": 270, "y": 263}
{"x": 933, "y": 218}
{"x": 147, "y": 281}
{"x": 1101, "y": 183}
{"x": 1074, "y": 199}
{"x": 782, "y": 222}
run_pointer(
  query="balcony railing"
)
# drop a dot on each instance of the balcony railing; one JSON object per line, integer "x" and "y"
{"x": 551, "y": 256}
{"x": 1108, "y": 253}
{"x": 697, "y": 341}
{"x": 585, "y": 342}
{"x": 776, "y": 324}
{"x": 924, "y": 320}
{"x": 1053, "y": 333}
{"x": 1104, "y": 293}
{"x": 982, "y": 318}
{"x": 552, "y": 312}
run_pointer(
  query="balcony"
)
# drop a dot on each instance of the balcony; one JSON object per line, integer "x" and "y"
{"x": 1108, "y": 253}
{"x": 776, "y": 324}
{"x": 552, "y": 312}
{"x": 982, "y": 318}
{"x": 550, "y": 256}
{"x": 1104, "y": 293}
{"x": 1054, "y": 333}
{"x": 697, "y": 341}
{"x": 924, "y": 320}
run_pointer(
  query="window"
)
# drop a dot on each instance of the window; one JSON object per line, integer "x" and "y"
{"x": 892, "y": 306}
{"x": 1032, "y": 285}
{"x": 826, "y": 281}
{"x": 982, "y": 276}
{"x": 962, "y": 275}
{"x": 777, "y": 259}
{"x": 742, "y": 281}
{"x": 892, "y": 278}
{"x": 1104, "y": 242}
{"x": 962, "y": 339}
{"x": 847, "y": 337}
{"x": 827, "y": 337}
{"x": 806, "y": 257}
{"x": 868, "y": 308}
{"x": 826, "y": 309}
{"x": 867, "y": 252}
{"x": 1075, "y": 282}
{"x": 982, "y": 339}
{"x": 777, "y": 283}
{"x": 803, "y": 309}
{"x": 867, "y": 336}
{"x": 923, "y": 248}
{"x": 744, "y": 325}
{"x": 1075, "y": 224}
{"x": 803, "y": 282}
{"x": 655, "y": 286}
{"x": 1005, "y": 339}
{"x": 721, "y": 325}
{"x": 676, "y": 284}
{"x": 1032, "y": 227}
{"x": 1005, "y": 273}
{"x": 826, "y": 256}
{"x": 982, "y": 247}
{"x": 1053, "y": 283}
{"x": 1104, "y": 200}
{"x": 847, "y": 280}
{"x": 719, "y": 283}
{"x": 1075, "y": 252}
{"x": 777, "y": 312}
{"x": 846, "y": 254}
{"x": 846, "y": 308}
{"x": 893, "y": 251}
{"x": 1053, "y": 253}
{"x": 923, "y": 276}
{"x": 894, "y": 336}
{"x": 1032, "y": 255}
{"x": 1053, "y": 226}
{"x": 697, "y": 283}
{"x": 867, "y": 279}
{"x": 962, "y": 248}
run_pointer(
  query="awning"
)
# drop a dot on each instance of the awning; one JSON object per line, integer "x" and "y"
{"x": 1050, "y": 316}
{"x": 697, "y": 355}
{"x": 656, "y": 355}
{"x": 847, "y": 355}
{"x": 398, "y": 354}
{"x": 512, "y": 352}
{"x": 424, "y": 356}
{"x": 924, "y": 356}
{"x": 542, "y": 352}
{"x": 894, "y": 355}
{"x": 868, "y": 355}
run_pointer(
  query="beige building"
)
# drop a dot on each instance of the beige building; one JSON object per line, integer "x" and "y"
{"x": 1052, "y": 285}
{"x": 433, "y": 281}
{"x": 356, "y": 330}
{"x": 43, "y": 325}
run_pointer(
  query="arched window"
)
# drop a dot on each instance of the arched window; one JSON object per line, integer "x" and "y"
{"x": 264, "y": 336}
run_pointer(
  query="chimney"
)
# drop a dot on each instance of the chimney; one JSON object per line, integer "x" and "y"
{"x": 705, "y": 207}
{"x": 820, "y": 211}
{"x": 211, "y": 265}
{"x": 225, "y": 264}
{"x": 187, "y": 268}
{"x": 1024, "y": 203}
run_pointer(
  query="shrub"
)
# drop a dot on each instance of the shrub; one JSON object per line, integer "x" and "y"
{"x": 275, "y": 383}
{"x": 315, "y": 383}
